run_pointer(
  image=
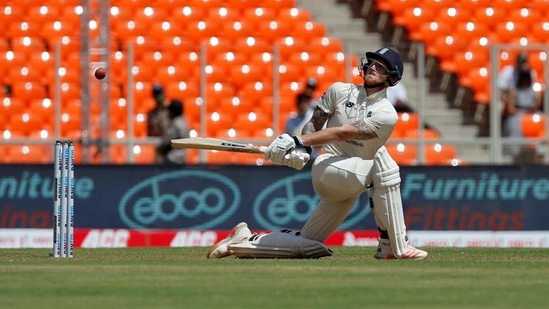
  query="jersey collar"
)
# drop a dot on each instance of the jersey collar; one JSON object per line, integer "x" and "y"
{"x": 374, "y": 97}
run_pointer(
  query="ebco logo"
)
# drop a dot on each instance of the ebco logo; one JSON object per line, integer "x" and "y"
{"x": 174, "y": 200}
{"x": 285, "y": 203}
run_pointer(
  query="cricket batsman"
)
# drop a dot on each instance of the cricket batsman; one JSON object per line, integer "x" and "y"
{"x": 359, "y": 120}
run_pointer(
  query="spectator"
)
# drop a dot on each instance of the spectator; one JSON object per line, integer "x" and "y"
{"x": 157, "y": 118}
{"x": 178, "y": 128}
{"x": 297, "y": 120}
{"x": 310, "y": 87}
{"x": 398, "y": 96}
{"x": 515, "y": 83}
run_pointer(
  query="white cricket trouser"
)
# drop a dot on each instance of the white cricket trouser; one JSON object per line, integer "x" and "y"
{"x": 338, "y": 181}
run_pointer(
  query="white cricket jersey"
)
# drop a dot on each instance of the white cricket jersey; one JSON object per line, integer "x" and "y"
{"x": 347, "y": 103}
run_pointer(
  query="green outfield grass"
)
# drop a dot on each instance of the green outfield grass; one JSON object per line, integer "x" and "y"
{"x": 352, "y": 278}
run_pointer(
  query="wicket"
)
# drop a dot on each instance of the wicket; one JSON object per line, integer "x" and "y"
{"x": 63, "y": 201}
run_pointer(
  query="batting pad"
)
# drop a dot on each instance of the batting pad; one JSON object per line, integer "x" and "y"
{"x": 388, "y": 201}
{"x": 280, "y": 245}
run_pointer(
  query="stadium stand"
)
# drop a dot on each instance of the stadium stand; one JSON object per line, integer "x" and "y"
{"x": 239, "y": 37}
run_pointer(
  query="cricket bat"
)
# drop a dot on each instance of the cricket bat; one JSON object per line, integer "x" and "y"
{"x": 216, "y": 144}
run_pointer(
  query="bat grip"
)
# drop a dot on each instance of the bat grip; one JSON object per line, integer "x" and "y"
{"x": 263, "y": 149}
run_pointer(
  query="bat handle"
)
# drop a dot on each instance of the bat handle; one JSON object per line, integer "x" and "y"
{"x": 263, "y": 149}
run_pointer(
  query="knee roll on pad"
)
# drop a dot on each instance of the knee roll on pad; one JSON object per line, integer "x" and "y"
{"x": 280, "y": 245}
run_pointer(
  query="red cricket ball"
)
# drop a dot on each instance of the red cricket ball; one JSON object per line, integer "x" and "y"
{"x": 100, "y": 73}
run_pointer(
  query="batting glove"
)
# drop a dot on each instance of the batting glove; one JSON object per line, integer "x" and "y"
{"x": 296, "y": 159}
{"x": 283, "y": 145}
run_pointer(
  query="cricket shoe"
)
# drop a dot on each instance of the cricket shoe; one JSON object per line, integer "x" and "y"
{"x": 385, "y": 252}
{"x": 239, "y": 233}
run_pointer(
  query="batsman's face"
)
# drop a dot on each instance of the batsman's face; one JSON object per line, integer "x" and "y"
{"x": 376, "y": 72}
{"x": 375, "y": 66}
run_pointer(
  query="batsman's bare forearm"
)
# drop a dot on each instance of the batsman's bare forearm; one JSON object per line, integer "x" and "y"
{"x": 318, "y": 119}
{"x": 356, "y": 130}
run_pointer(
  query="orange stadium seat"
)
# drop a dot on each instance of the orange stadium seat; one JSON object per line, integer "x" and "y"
{"x": 170, "y": 73}
{"x": 201, "y": 30}
{"x": 187, "y": 13}
{"x": 452, "y": 15}
{"x": 144, "y": 154}
{"x": 164, "y": 28}
{"x": 252, "y": 92}
{"x": 10, "y": 14}
{"x": 478, "y": 80}
{"x": 216, "y": 91}
{"x": 70, "y": 91}
{"x": 427, "y": 134}
{"x": 406, "y": 122}
{"x": 234, "y": 30}
{"x": 257, "y": 15}
{"x": 142, "y": 44}
{"x": 133, "y": 3}
{"x": 470, "y": 59}
{"x": 246, "y": 73}
{"x": 412, "y": 18}
{"x": 151, "y": 14}
{"x": 25, "y": 74}
{"x": 216, "y": 123}
{"x": 42, "y": 60}
{"x": 474, "y": 4}
{"x": 468, "y": 32}
{"x": 182, "y": 89}
{"x": 307, "y": 30}
{"x": 278, "y": 4}
{"x": 293, "y": 14}
{"x": 24, "y": 29}
{"x": 327, "y": 72}
{"x": 190, "y": 61}
{"x": 219, "y": 157}
{"x": 42, "y": 107}
{"x": 223, "y": 14}
{"x": 533, "y": 125}
{"x": 13, "y": 105}
{"x": 29, "y": 90}
{"x": 403, "y": 154}
{"x": 176, "y": 44}
{"x": 428, "y": 32}
{"x": 253, "y": 44}
{"x": 540, "y": 30}
{"x": 130, "y": 29}
{"x": 307, "y": 59}
{"x": 326, "y": 45}
{"x": 265, "y": 60}
{"x": 27, "y": 122}
{"x": 53, "y": 31}
{"x": 67, "y": 45}
{"x": 490, "y": 15}
{"x": 156, "y": 58}
{"x": 509, "y": 30}
{"x": 542, "y": 5}
{"x": 439, "y": 154}
{"x": 253, "y": 121}
{"x": 12, "y": 59}
{"x": 28, "y": 154}
{"x": 43, "y": 13}
{"x": 141, "y": 91}
{"x": 273, "y": 31}
{"x": 27, "y": 44}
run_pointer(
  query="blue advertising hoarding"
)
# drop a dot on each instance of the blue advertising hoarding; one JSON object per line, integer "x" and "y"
{"x": 270, "y": 197}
